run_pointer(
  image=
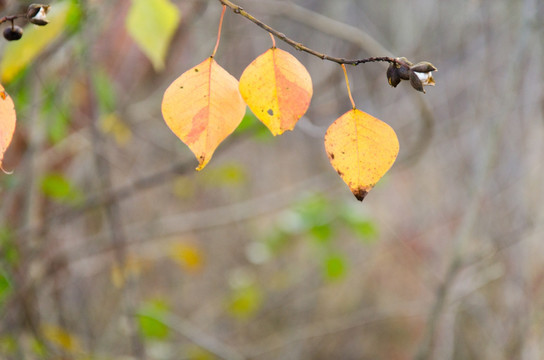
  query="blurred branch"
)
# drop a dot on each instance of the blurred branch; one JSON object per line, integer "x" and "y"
{"x": 330, "y": 327}
{"x": 487, "y": 157}
{"x": 111, "y": 210}
{"x": 112, "y": 217}
{"x": 326, "y": 25}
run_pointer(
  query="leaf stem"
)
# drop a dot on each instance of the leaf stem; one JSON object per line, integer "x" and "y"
{"x": 219, "y": 31}
{"x": 273, "y": 40}
{"x": 347, "y": 84}
{"x": 299, "y": 46}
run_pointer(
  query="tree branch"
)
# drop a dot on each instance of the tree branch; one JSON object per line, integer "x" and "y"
{"x": 299, "y": 46}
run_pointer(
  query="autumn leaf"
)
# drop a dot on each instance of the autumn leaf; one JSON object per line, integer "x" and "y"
{"x": 361, "y": 149}
{"x": 61, "y": 338}
{"x": 187, "y": 256}
{"x": 277, "y": 88}
{"x": 202, "y": 107}
{"x": 152, "y": 24}
{"x": 7, "y": 122}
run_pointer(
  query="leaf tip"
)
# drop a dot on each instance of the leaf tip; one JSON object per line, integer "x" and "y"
{"x": 360, "y": 193}
{"x": 202, "y": 162}
{"x": 4, "y": 170}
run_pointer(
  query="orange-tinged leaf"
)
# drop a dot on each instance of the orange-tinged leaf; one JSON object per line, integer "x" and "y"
{"x": 277, "y": 88}
{"x": 202, "y": 107}
{"x": 7, "y": 122}
{"x": 361, "y": 149}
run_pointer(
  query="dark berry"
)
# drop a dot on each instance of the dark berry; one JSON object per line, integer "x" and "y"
{"x": 13, "y": 33}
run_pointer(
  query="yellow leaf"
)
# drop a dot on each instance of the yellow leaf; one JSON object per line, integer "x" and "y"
{"x": 152, "y": 24}
{"x": 112, "y": 124}
{"x": 18, "y": 54}
{"x": 277, "y": 88}
{"x": 202, "y": 107}
{"x": 7, "y": 121}
{"x": 188, "y": 256}
{"x": 132, "y": 268}
{"x": 61, "y": 338}
{"x": 361, "y": 149}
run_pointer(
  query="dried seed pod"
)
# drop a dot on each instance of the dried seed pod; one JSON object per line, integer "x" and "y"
{"x": 415, "y": 81}
{"x": 423, "y": 67}
{"x": 13, "y": 33}
{"x": 36, "y": 14}
{"x": 393, "y": 75}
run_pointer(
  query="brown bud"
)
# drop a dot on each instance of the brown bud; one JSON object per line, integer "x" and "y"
{"x": 393, "y": 75}
{"x": 404, "y": 61}
{"x": 13, "y": 33}
{"x": 416, "y": 82}
{"x": 423, "y": 67}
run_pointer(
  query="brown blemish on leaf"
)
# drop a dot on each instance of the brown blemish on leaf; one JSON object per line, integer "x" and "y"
{"x": 196, "y": 69}
{"x": 360, "y": 194}
{"x": 331, "y": 156}
{"x": 270, "y": 112}
{"x": 3, "y": 95}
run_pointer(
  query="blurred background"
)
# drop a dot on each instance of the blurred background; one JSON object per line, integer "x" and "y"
{"x": 114, "y": 247}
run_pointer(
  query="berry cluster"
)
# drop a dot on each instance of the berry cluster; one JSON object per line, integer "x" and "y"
{"x": 36, "y": 14}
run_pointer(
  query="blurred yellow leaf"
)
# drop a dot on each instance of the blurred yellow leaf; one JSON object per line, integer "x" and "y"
{"x": 61, "y": 338}
{"x": 245, "y": 301}
{"x": 187, "y": 256}
{"x": 132, "y": 267}
{"x": 202, "y": 107}
{"x": 277, "y": 88}
{"x": 7, "y": 122}
{"x": 361, "y": 149}
{"x": 152, "y": 24}
{"x": 113, "y": 125}
{"x": 18, "y": 54}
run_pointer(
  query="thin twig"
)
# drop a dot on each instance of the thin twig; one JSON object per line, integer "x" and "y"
{"x": 301, "y": 47}
{"x": 11, "y": 18}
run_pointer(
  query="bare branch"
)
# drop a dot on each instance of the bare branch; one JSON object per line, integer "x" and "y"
{"x": 299, "y": 46}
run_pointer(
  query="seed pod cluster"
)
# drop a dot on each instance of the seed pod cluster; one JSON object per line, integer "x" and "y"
{"x": 419, "y": 74}
{"x": 36, "y": 14}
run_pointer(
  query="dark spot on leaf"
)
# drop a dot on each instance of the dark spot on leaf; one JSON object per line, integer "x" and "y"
{"x": 340, "y": 173}
{"x": 196, "y": 70}
{"x": 360, "y": 194}
{"x": 331, "y": 155}
{"x": 181, "y": 87}
{"x": 270, "y": 112}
